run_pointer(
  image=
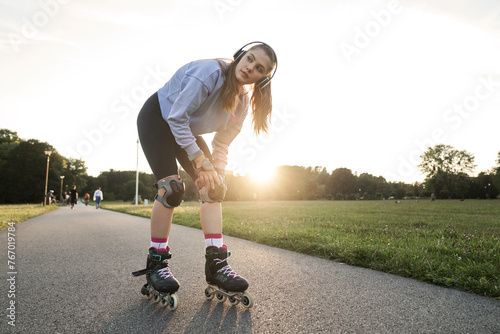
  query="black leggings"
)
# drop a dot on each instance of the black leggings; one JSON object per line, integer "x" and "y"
{"x": 159, "y": 145}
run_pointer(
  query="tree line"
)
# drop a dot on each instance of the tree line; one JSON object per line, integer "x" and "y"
{"x": 23, "y": 172}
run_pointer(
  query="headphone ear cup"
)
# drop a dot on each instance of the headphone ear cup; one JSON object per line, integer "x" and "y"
{"x": 263, "y": 82}
{"x": 238, "y": 54}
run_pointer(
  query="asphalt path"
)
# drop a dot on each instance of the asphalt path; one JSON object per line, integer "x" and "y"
{"x": 72, "y": 275}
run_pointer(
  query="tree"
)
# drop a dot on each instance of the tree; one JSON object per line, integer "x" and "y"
{"x": 447, "y": 170}
{"x": 445, "y": 159}
{"x": 496, "y": 173}
{"x": 8, "y": 142}
{"x": 291, "y": 182}
{"x": 75, "y": 173}
{"x": 371, "y": 185}
{"x": 342, "y": 181}
{"x": 23, "y": 177}
{"x": 461, "y": 184}
{"x": 23, "y": 167}
{"x": 483, "y": 186}
{"x": 7, "y": 137}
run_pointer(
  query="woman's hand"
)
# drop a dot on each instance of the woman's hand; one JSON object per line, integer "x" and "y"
{"x": 207, "y": 175}
{"x": 209, "y": 179}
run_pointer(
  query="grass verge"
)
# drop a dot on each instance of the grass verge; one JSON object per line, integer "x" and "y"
{"x": 20, "y": 212}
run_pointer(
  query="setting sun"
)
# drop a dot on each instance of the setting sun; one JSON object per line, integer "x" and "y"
{"x": 262, "y": 175}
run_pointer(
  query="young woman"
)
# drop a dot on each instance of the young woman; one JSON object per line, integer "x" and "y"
{"x": 203, "y": 96}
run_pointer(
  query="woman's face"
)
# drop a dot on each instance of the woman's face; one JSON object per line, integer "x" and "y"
{"x": 253, "y": 66}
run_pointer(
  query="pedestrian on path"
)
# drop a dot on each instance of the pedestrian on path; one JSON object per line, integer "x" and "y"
{"x": 98, "y": 197}
{"x": 203, "y": 96}
{"x": 50, "y": 198}
{"x": 73, "y": 196}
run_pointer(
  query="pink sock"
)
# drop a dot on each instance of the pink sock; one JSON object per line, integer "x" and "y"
{"x": 160, "y": 244}
{"x": 214, "y": 240}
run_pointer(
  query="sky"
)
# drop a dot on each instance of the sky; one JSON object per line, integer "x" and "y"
{"x": 364, "y": 85}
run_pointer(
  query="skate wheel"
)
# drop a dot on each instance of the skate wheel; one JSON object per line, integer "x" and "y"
{"x": 164, "y": 301}
{"x": 146, "y": 291}
{"x": 220, "y": 297}
{"x": 173, "y": 302}
{"x": 233, "y": 300}
{"x": 208, "y": 293}
{"x": 156, "y": 297}
{"x": 170, "y": 300}
{"x": 247, "y": 300}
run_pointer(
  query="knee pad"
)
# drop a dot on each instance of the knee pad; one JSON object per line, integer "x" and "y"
{"x": 214, "y": 195}
{"x": 174, "y": 192}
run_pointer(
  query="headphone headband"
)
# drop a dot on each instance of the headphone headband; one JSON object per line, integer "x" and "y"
{"x": 265, "y": 80}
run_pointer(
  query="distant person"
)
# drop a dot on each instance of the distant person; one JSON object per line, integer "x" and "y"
{"x": 50, "y": 198}
{"x": 98, "y": 197}
{"x": 433, "y": 197}
{"x": 73, "y": 196}
{"x": 204, "y": 96}
{"x": 87, "y": 199}
{"x": 67, "y": 198}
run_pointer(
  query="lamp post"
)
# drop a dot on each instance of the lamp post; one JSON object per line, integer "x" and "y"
{"x": 62, "y": 178}
{"x": 47, "y": 153}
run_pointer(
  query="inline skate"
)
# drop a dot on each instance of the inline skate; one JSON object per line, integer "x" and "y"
{"x": 223, "y": 283}
{"x": 161, "y": 284}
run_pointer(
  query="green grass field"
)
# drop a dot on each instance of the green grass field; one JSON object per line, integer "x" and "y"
{"x": 21, "y": 212}
{"x": 449, "y": 243}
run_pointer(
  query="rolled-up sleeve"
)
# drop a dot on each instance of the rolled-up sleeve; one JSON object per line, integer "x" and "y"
{"x": 222, "y": 140}
{"x": 192, "y": 94}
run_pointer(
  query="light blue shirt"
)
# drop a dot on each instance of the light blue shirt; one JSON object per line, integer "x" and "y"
{"x": 191, "y": 104}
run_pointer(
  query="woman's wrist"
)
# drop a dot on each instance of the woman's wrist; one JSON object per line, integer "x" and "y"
{"x": 198, "y": 161}
{"x": 195, "y": 155}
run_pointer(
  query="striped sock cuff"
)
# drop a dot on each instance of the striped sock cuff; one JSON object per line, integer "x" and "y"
{"x": 214, "y": 240}
{"x": 213, "y": 236}
{"x": 159, "y": 239}
{"x": 159, "y": 243}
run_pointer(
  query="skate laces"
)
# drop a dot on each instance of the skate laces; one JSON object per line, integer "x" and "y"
{"x": 226, "y": 270}
{"x": 165, "y": 272}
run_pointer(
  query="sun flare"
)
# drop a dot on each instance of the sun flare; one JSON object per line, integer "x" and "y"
{"x": 262, "y": 175}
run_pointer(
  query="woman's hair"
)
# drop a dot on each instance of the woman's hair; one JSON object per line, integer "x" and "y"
{"x": 261, "y": 97}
